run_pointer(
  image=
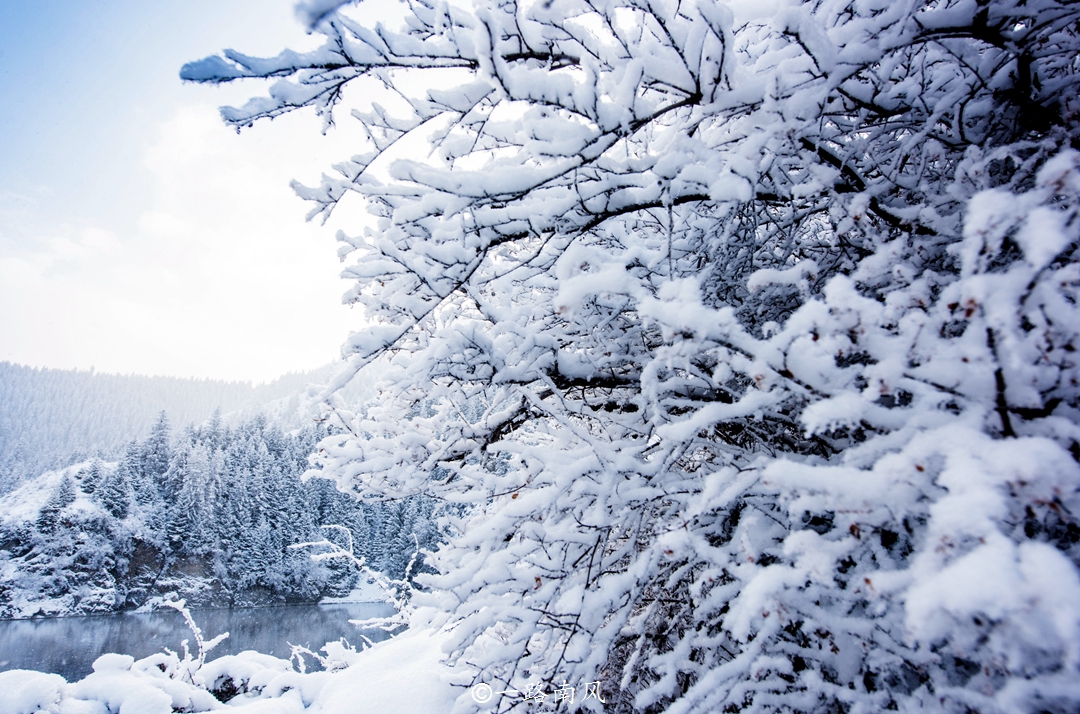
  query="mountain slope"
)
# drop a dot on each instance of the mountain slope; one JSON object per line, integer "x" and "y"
{"x": 50, "y": 418}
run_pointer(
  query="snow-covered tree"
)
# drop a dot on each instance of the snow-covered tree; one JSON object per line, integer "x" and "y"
{"x": 51, "y": 418}
{"x": 156, "y": 450}
{"x": 62, "y": 496}
{"x": 92, "y": 476}
{"x": 191, "y": 522}
{"x": 773, "y": 312}
{"x": 114, "y": 493}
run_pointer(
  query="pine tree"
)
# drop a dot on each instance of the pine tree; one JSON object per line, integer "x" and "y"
{"x": 410, "y": 537}
{"x": 92, "y": 476}
{"x": 142, "y": 488}
{"x": 115, "y": 493}
{"x": 214, "y": 433}
{"x": 156, "y": 451}
{"x": 178, "y": 525}
{"x": 65, "y": 490}
{"x": 62, "y": 496}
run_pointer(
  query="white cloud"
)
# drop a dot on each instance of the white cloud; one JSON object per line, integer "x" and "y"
{"x": 196, "y": 262}
{"x": 217, "y": 276}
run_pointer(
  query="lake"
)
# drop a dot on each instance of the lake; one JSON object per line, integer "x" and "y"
{"x": 68, "y": 646}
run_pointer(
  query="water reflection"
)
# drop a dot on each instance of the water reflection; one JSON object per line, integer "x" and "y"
{"x": 68, "y": 646}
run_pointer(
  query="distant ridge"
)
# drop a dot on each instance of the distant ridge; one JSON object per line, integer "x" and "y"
{"x": 53, "y": 417}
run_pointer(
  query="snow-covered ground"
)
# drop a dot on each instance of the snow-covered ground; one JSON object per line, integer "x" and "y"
{"x": 366, "y": 590}
{"x": 404, "y": 674}
{"x": 24, "y": 503}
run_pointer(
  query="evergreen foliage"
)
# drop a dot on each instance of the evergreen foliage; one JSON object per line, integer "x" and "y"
{"x": 50, "y": 418}
{"x": 115, "y": 493}
{"x": 62, "y": 496}
{"x": 93, "y": 476}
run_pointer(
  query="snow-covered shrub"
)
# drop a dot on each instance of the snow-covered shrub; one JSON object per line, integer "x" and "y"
{"x": 122, "y": 683}
{"x": 244, "y": 673}
{"x": 187, "y": 667}
{"x": 27, "y": 692}
{"x": 772, "y": 309}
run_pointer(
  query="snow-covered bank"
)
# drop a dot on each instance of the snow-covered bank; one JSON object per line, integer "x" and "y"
{"x": 403, "y": 674}
{"x": 366, "y": 591}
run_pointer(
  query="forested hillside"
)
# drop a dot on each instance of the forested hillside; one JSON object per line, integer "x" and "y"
{"x": 210, "y": 515}
{"x": 50, "y": 417}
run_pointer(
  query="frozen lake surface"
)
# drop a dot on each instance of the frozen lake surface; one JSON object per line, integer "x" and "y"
{"x": 68, "y": 646}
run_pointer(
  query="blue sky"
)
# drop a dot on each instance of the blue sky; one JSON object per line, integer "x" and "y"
{"x": 137, "y": 233}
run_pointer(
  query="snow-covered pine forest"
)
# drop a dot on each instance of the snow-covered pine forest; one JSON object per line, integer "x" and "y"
{"x": 772, "y": 310}
{"x": 208, "y": 515}
{"x": 51, "y": 418}
{"x": 109, "y": 507}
